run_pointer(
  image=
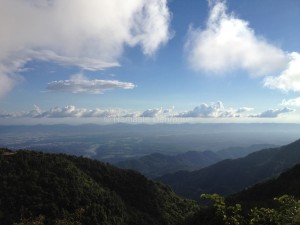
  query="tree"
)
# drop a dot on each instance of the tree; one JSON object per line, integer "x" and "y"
{"x": 288, "y": 212}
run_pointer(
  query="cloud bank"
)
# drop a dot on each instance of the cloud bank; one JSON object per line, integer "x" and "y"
{"x": 213, "y": 110}
{"x": 67, "y": 111}
{"x": 273, "y": 113}
{"x": 87, "y": 34}
{"x": 81, "y": 84}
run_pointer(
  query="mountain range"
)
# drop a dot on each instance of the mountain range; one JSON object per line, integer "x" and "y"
{"x": 233, "y": 175}
{"x": 42, "y": 188}
{"x": 158, "y": 164}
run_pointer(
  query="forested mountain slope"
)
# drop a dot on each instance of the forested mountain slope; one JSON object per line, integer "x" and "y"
{"x": 229, "y": 176}
{"x": 57, "y": 185}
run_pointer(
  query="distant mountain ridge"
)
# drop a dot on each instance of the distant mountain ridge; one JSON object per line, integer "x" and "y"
{"x": 233, "y": 175}
{"x": 158, "y": 164}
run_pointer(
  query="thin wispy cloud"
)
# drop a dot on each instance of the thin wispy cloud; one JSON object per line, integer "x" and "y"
{"x": 88, "y": 34}
{"x": 294, "y": 102}
{"x": 82, "y": 85}
{"x": 273, "y": 113}
{"x": 86, "y": 63}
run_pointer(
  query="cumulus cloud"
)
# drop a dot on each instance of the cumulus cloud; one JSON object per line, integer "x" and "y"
{"x": 272, "y": 113}
{"x": 289, "y": 79}
{"x": 213, "y": 110}
{"x": 228, "y": 43}
{"x": 217, "y": 110}
{"x": 74, "y": 112}
{"x": 67, "y": 111}
{"x": 152, "y": 113}
{"x": 291, "y": 102}
{"x": 81, "y": 84}
{"x": 87, "y": 34}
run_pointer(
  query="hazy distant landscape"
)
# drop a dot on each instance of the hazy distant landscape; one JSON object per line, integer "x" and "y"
{"x": 117, "y": 142}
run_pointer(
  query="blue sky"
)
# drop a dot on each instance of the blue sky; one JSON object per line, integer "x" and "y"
{"x": 198, "y": 61}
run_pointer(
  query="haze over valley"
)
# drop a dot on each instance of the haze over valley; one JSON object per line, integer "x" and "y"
{"x": 117, "y": 142}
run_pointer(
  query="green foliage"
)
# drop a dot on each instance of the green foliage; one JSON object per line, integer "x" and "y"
{"x": 72, "y": 219}
{"x": 287, "y": 212}
{"x": 32, "y": 221}
{"x": 231, "y": 215}
{"x": 79, "y": 191}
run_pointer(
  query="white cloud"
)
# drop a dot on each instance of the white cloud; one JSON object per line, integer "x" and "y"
{"x": 289, "y": 79}
{"x": 217, "y": 110}
{"x": 244, "y": 109}
{"x": 228, "y": 43}
{"x": 67, "y": 111}
{"x": 72, "y": 111}
{"x": 88, "y": 34}
{"x": 132, "y": 115}
{"x": 86, "y": 63}
{"x": 272, "y": 113}
{"x": 81, "y": 84}
{"x": 214, "y": 110}
{"x": 152, "y": 113}
{"x": 291, "y": 102}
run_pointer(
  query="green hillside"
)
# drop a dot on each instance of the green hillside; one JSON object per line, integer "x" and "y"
{"x": 57, "y": 186}
{"x": 262, "y": 194}
{"x": 257, "y": 204}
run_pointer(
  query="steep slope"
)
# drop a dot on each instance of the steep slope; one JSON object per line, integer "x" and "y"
{"x": 157, "y": 164}
{"x": 57, "y": 185}
{"x": 262, "y": 194}
{"x": 229, "y": 176}
{"x": 238, "y": 152}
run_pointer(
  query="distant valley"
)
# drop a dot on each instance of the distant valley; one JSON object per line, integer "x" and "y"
{"x": 118, "y": 142}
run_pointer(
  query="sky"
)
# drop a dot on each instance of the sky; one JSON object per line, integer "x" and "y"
{"x": 173, "y": 61}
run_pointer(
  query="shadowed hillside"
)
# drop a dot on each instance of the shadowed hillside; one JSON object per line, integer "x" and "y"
{"x": 57, "y": 186}
{"x": 229, "y": 176}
